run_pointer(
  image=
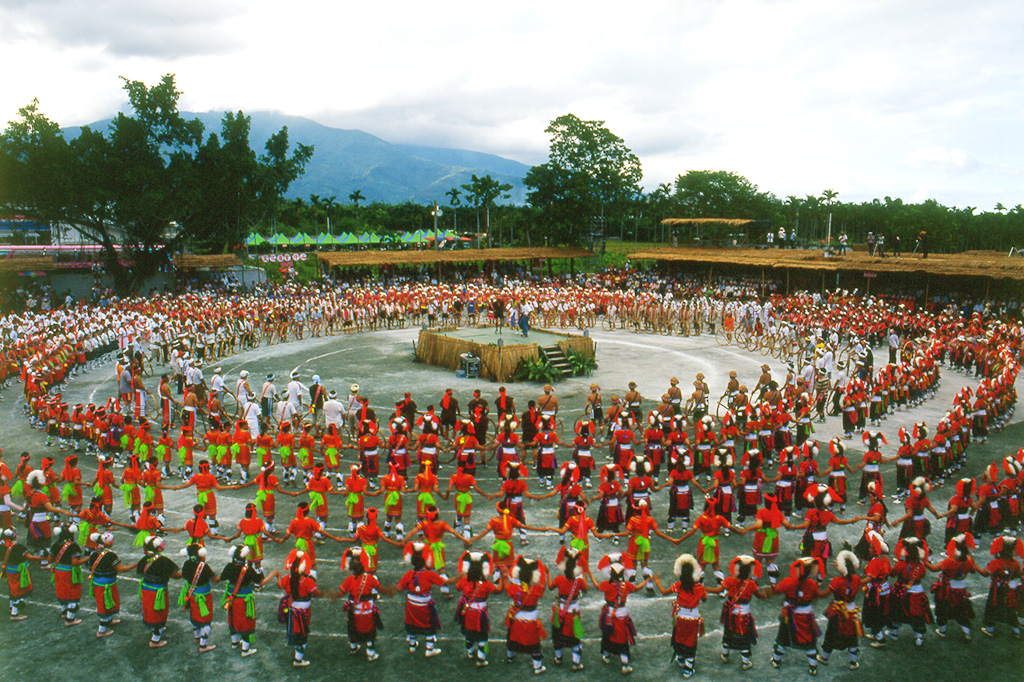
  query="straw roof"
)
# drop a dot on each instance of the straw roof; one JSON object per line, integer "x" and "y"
{"x": 736, "y": 222}
{"x": 11, "y": 266}
{"x": 357, "y": 258}
{"x": 970, "y": 264}
{"x": 215, "y": 260}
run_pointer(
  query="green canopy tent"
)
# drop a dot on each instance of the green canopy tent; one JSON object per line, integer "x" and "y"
{"x": 255, "y": 239}
{"x": 368, "y": 238}
{"x": 302, "y": 239}
{"x": 278, "y": 240}
{"x": 325, "y": 239}
{"x": 348, "y": 240}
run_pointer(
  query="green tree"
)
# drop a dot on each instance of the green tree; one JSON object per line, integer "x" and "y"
{"x": 355, "y": 198}
{"x": 590, "y": 174}
{"x": 454, "y": 201}
{"x": 483, "y": 192}
{"x": 151, "y": 183}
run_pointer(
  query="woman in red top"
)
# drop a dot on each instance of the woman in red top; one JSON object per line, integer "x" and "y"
{"x": 740, "y": 586}
{"x": 72, "y": 478}
{"x": 206, "y": 483}
{"x": 463, "y": 482}
{"x": 609, "y": 514}
{"x": 914, "y": 522}
{"x": 617, "y": 629}
{"x": 687, "y": 623}
{"x": 418, "y": 582}
{"x": 503, "y": 526}
{"x": 910, "y": 603}
{"x": 433, "y": 530}
{"x": 392, "y": 486}
{"x": 844, "y": 626}
{"x": 525, "y": 631}
{"x": 797, "y": 626}
{"x": 1004, "y": 600}
{"x": 952, "y": 601}
{"x": 815, "y": 541}
{"x": 566, "y": 623}
{"x": 319, "y": 487}
{"x": 286, "y": 447}
{"x": 267, "y": 487}
{"x": 254, "y": 530}
{"x": 639, "y": 528}
{"x": 361, "y": 589}
{"x": 710, "y": 524}
{"x": 241, "y": 440}
{"x": 355, "y": 491}
{"x": 680, "y": 497}
{"x": 471, "y": 612}
{"x": 330, "y": 445}
{"x": 723, "y": 488}
{"x": 300, "y": 588}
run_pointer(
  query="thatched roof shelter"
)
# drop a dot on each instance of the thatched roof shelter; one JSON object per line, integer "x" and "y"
{"x": 364, "y": 258}
{"x": 215, "y": 260}
{"x": 971, "y": 263}
{"x": 687, "y": 222}
{"x": 12, "y": 266}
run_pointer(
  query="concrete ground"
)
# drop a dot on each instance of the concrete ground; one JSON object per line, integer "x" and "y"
{"x": 382, "y": 364}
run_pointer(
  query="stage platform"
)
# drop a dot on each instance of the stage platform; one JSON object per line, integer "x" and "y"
{"x": 445, "y": 346}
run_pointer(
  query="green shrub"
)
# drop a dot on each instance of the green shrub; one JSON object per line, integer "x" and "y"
{"x": 537, "y": 370}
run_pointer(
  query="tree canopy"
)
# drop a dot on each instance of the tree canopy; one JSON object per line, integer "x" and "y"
{"x": 591, "y": 176}
{"x": 151, "y": 182}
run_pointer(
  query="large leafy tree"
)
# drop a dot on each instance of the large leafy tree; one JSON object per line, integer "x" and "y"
{"x": 152, "y": 182}
{"x": 591, "y": 175}
{"x": 483, "y": 192}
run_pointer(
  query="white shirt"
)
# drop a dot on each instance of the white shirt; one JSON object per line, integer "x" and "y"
{"x": 332, "y": 412}
{"x": 294, "y": 391}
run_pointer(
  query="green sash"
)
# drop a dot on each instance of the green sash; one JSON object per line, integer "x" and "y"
{"x": 643, "y": 546}
{"x": 69, "y": 490}
{"x": 438, "y": 549}
{"x": 462, "y": 501}
{"x": 708, "y": 544}
{"x": 183, "y": 598}
{"x": 181, "y": 455}
{"x": 425, "y": 499}
{"x": 578, "y": 544}
{"x": 502, "y": 548}
{"x": 140, "y": 538}
{"x": 126, "y": 490}
{"x": 148, "y": 493}
{"x": 261, "y": 496}
{"x": 371, "y": 551}
{"x": 301, "y": 544}
{"x": 316, "y": 500}
{"x": 97, "y": 490}
{"x": 108, "y": 594}
{"x": 19, "y": 489}
{"x": 84, "y": 531}
{"x": 351, "y": 501}
{"x": 769, "y": 539}
{"x": 392, "y": 499}
{"x": 202, "y": 497}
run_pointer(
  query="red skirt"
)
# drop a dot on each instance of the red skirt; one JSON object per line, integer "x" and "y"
{"x": 65, "y": 589}
{"x": 239, "y": 620}
{"x": 686, "y": 631}
{"x": 99, "y": 593}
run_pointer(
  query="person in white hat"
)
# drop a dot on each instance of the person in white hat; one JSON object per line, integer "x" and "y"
{"x": 353, "y": 405}
{"x": 294, "y": 392}
{"x": 242, "y": 390}
{"x": 333, "y": 409}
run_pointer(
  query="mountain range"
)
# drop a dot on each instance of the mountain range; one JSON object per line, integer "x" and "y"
{"x": 350, "y": 160}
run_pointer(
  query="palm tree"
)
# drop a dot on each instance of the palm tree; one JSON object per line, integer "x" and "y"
{"x": 355, "y": 198}
{"x": 329, "y": 203}
{"x": 453, "y": 195}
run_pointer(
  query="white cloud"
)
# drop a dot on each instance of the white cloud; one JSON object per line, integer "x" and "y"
{"x": 871, "y": 98}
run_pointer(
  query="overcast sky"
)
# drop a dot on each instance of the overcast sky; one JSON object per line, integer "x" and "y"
{"x": 905, "y": 98}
